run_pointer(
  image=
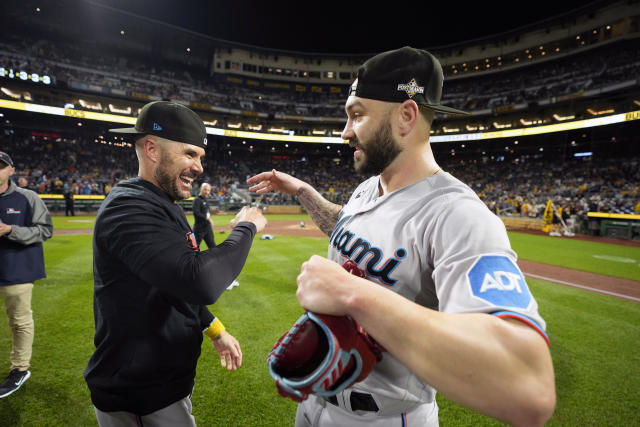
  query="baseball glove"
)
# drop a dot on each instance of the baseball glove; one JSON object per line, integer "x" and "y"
{"x": 322, "y": 354}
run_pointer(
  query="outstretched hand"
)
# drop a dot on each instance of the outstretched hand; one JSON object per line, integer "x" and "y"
{"x": 253, "y": 215}
{"x": 274, "y": 181}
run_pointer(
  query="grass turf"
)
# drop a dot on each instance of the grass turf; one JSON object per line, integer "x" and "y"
{"x": 595, "y": 343}
{"x": 595, "y": 257}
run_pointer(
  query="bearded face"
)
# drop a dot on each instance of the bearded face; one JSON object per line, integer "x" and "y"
{"x": 172, "y": 179}
{"x": 374, "y": 154}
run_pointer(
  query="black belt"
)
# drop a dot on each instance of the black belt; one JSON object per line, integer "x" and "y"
{"x": 359, "y": 402}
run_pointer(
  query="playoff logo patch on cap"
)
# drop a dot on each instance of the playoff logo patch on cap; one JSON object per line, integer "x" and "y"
{"x": 410, "y": 88}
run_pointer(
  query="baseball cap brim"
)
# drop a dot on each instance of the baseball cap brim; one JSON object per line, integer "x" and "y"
{"x": 127, "y": 130}
{"x": 445, "y": 109}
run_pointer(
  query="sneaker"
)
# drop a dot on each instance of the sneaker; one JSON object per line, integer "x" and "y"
{"x": 13, "y": 382}
{"x": 233, "y": 285}
{"x": 569, "y": 233}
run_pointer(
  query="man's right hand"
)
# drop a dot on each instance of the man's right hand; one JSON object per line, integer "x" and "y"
{"x": 275, "y": 181}
{"x": 253, "y": 215}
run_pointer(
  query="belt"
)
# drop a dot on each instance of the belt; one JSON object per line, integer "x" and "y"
{"x": 359, "y": 402}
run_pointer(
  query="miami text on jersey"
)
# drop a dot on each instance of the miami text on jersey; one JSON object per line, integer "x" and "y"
{"x": 357, "y": 249}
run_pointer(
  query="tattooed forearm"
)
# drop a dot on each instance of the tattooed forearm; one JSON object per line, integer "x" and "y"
{"x": 323, "y": 212}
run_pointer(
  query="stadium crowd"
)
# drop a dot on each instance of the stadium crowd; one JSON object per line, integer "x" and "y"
{"x": 517, "y": 188}
{"x": 86, "y": 166}
{"x": 79, "y": 67}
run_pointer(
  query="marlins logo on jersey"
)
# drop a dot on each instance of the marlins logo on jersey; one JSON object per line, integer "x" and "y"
{"x": 498, "y": 280}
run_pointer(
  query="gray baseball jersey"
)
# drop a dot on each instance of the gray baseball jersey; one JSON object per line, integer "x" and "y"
{"x": 435, "y": 243}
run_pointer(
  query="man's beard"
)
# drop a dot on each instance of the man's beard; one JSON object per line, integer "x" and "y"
{"x": 164, "y": 179}
{"x": 379, "y": 151}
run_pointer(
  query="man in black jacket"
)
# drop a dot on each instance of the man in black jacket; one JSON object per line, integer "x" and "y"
{"x": 203, "y": 224}
{"x": 151, "y": 283}
{"x": 24, "y": 224}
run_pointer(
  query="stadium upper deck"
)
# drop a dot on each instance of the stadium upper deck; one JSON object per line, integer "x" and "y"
{"x": 582, "y": 66}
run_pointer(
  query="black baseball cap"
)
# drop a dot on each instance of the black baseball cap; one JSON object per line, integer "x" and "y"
{"x": 401, "y": 74}
{"x": 5, "y": 158}
{"x": 169, "y": 120}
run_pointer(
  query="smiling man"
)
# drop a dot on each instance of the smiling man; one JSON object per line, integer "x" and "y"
{"x": 152, "y": 285}
{"x": 437, "y": 285}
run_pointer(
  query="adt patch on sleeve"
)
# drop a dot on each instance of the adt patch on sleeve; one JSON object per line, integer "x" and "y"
{"x": 498, "y": 280}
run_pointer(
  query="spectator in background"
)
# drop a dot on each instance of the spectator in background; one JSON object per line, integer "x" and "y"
{"x": 203, "y": 224}
{"x": 68, "y": 200}
{"x": 24, "y": 224}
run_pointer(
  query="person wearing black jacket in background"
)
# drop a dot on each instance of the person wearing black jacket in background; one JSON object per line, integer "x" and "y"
{"x": 151, "y": 283}
{"x": 203, "y": 224}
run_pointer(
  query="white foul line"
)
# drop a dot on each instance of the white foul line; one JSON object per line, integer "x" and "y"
{"x": 575, "y": 285}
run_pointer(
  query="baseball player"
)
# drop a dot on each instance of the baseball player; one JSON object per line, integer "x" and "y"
{"x": 443, "y": 293}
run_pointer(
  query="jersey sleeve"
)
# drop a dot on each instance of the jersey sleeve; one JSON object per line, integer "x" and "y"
{"x": 475, "y": 269}
{"x": 160, "y": 253}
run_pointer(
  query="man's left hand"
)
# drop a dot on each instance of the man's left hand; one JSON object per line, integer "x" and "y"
{"x": 229, "y": 349}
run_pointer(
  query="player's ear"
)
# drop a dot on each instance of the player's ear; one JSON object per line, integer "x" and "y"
{"x": 408, "y": 114}
{"x": 152, "y": 149}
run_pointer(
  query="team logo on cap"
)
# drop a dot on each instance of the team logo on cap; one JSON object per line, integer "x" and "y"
{"x": 411, "y": 88}
{"x": 205, "y": 142}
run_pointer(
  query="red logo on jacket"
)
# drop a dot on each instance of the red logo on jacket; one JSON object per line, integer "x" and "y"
{"x": 191, "y": 241}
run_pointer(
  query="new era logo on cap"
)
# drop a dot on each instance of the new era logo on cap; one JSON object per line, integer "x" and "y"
{"x": 156, "y": 126}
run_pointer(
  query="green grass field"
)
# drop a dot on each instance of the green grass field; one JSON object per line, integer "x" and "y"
{"x": 595, "y": 339}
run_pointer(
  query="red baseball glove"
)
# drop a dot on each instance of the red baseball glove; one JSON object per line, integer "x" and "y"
{"x": 322, "y": 354}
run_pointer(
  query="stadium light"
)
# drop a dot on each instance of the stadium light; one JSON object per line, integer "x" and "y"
{"x": 563, "y": 118}
{"x": 599, "y": 112}
{"x": 290, "y": 137}
{"x": 501, "y": 125}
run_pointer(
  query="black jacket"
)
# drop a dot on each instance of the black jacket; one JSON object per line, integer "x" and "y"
{"x": 151, "y": 289}
{"x": 201, "y": 213}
